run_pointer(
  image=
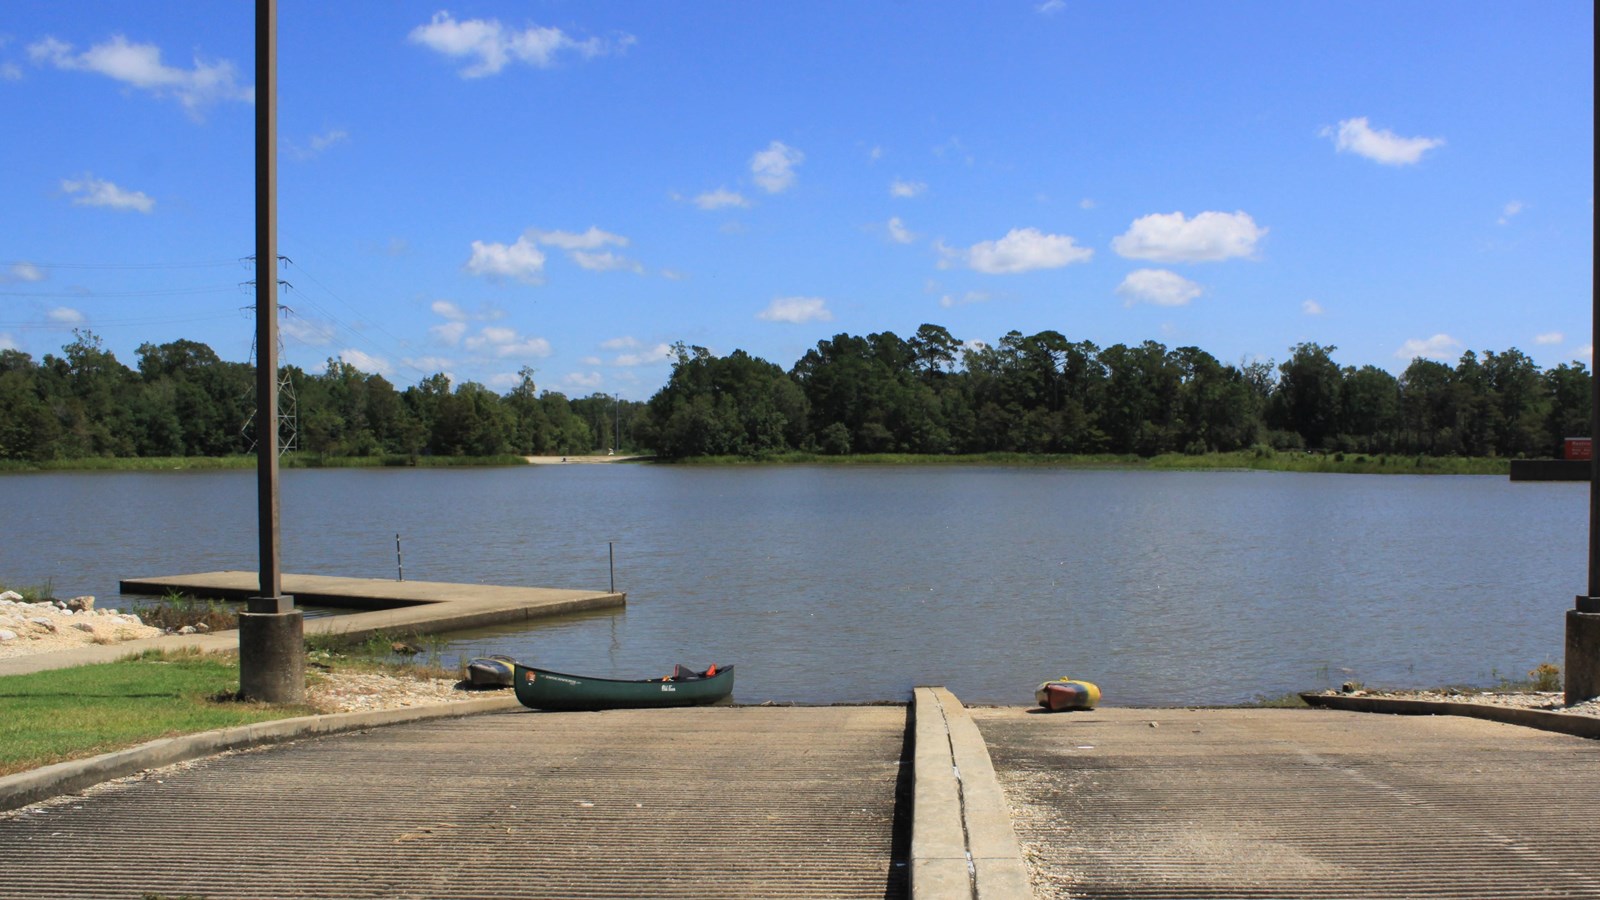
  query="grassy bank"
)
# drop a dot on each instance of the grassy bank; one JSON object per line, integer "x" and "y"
{"x": 1260, "y": 460}
{"x": 289, "y": 461}
{"x": 49, "y": 717}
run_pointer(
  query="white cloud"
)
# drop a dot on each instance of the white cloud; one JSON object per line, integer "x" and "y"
{"x": 1157, "y": 287}
{"x": 1356, "y": 136}
{"x": 449, "y": 332}
{"x": 315, "y": 334}
{"x": 950, "y": 301}
{"x": 1208, "y": 237}
{"x": 522, "y": 261}
{"x": 65, "y": 315}
{"x": 605, "y": 262}
{"x": 448, "y": 310}
{"x": 898, "y": 232}
{"x": 366, "y": 362}
{"x": 625, "y": 342}
{"x": 1549, "y": 337}
{"x": 592, "y": 239}
{"x": 653, "y": 356}
{"x": 97, "y": 192}
{"x": 504, "y": 342}
{"x": 7, "y": 342}
{"x": 318, "y": 143}
{"x": 1022, "y": 250}
{"x": 1587, "y": 352}
{"x": 1050, "y": 7}
{"x": 10, "y": 72}
{"x": 1311, "y": 308}
{"x": 430, "y": 363}
{"x": 1440, "y": 346}
{"x": 773, "y": 168}
{"x": 22, "y": 271}
{"x": 1510, "y": 210}
{"x": 899, "y": 188}
{"x": 720, "y": 198}
{"x": 796, "y": 310}
{"x": 140, "y": 65}
{"x": 589, "y": 380}
{"x": 492, "y": 46}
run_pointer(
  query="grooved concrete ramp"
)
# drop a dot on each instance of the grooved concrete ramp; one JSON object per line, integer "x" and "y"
{"x": 695, "y": 803}
{"x": 1296, "y": 803}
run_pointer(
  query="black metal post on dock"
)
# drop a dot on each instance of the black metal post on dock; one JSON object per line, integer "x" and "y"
{"x": 271, "y": 632}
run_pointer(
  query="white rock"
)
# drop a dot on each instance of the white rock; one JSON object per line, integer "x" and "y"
{"x": 202, "y": 627}
{"x": 10, "y": 596}
{"x": 84, "y": 626}
{"x": 81, "y": 603}
{"x": 44, "y": 623}
{"x": 187, "y": 629}
{"x": 6, "y": 635}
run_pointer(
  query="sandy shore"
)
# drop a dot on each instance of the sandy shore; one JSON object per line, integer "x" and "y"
{"x": 569, "y": 460}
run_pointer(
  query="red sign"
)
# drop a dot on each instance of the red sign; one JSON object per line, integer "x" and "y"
{"x": 1576, "y": 448}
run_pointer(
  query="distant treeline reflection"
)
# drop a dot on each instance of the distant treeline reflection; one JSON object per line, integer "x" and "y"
{"x": 931, "y": 393}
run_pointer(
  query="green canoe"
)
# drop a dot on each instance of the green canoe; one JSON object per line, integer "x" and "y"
{"x": 543, "y": 689}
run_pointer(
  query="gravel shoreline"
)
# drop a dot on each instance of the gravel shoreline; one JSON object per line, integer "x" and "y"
{"x": 50, "y": 626}
{"x": 1544, "y": 701}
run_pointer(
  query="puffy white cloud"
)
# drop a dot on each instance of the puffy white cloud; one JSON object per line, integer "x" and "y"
{"x": 448, "y": 310}
{"x": 65, "y": 315}
{"x": 1440, "y": 346}
{"x": 366, "y": 362}
{"x": 773, "y": 168}
{"x": 522, "y": 260}
{"x": 1021, "y": 250}
{"x": 1311, "y": 308}
{"x": 140, "y": 65}
{"x": 22, "y": 271}
{"x": 1510, "y": 210}
{"x": 1356, "y": 136}
{"x": 449, "y": 332}
{"x": 1208, "y": 237}
{"x": 1549, "y": 337}
{"x": 899, "y": 188}
{"x": 307, "y": 331}
{"x": 719, "y": 198}
{"x": 950, "y": 301}
{"x": 589, "y": 380}
{"x": 660, "y": 354}
{"x": 605, "y": 262}
{"x": 504, "y": 342}
{"x": 592, "y": 239}
{"x": 1157, "y": 287}
{"x": 796, "y": 310}
{"x": 98, "y": 192}
{"x": 491, "y": 46}
{"x": 898, "y": 231}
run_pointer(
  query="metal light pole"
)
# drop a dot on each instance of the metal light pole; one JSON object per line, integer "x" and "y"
{"x": 1583, "y": 622}
{"x": 271, "y": 631}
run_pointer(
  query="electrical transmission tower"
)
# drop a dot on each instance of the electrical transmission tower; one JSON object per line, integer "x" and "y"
{"x": 288, "y": 410}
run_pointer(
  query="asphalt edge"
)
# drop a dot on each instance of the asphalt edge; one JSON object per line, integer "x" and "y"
{"x": 68, "y": 777}
{"x": 962, "y": 841}
{"x": 1578, "y": 726}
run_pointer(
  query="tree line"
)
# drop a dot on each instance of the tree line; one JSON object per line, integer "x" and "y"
{"x": 182, "y": 400}
{"x": 930, "y": 393}
{"x": 1043, "y": 393}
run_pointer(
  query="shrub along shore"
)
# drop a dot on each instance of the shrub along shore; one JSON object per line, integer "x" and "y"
{"x": 1259, "y": 459}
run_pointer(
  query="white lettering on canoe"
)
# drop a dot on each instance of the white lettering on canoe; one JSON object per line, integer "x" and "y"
{"x": 669, "y": 688}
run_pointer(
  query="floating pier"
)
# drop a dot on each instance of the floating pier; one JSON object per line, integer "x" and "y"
{"x": 423, "y": 607}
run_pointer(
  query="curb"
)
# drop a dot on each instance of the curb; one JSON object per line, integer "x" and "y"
{"x": 962, "y": 842}
{"x": 32, "y": 786}
{"x": 1579, "y": 726}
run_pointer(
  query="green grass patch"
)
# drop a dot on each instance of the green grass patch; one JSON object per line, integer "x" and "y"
{"x": 49, "y": 717}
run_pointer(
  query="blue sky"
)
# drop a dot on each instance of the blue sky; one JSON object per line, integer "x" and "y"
{"x": 483, "y": 186}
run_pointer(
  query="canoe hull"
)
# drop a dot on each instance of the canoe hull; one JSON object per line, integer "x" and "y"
{"x": 543, "y": 689}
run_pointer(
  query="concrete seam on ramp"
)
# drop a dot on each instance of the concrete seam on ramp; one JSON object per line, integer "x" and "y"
{"x": 1562, "y": 723}
{"x": 962, "y": 841}
{"x": 35, "y": 785}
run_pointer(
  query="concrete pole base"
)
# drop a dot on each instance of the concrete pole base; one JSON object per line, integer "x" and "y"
{"x": 272, "y": 657}
{"x": 1583, "y": 656}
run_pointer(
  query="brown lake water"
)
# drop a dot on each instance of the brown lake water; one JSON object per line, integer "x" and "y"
{"x": 832, "y": 584}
